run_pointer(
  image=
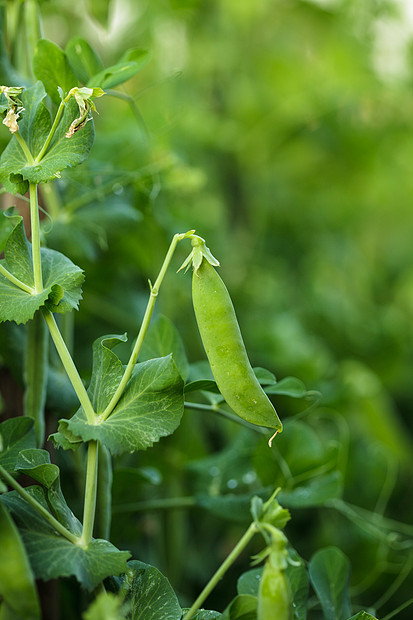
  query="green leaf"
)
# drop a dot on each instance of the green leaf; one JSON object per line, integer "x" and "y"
{"x": 63, "y": 152}
{"x": 297, "y": 577}
{"x": 289, "y": 386}
{"x": 163, "y": 338}
{"x": 17, "y": 434}
{"x": 318, "y": 491}
{"x": 8, "y": 221}
{"x": 204, "y": 614}
{"x": 149, "y": 594}
{"x": 363, "y": 615}
{"x": 131, "y": 62}
{"x": 51, "y": 66}
{"x": 83, "y": 59}
{"x": 37, "y": 465}
{"x": 61, "y": 279}
{"x": 150, "y": 408}
{"x": 249, "y": 582}
{"x": 53, "y": 556}
{"x": 34, "y": 128}
{"x": 202, "y": 384}
{"x": 264, "y": 376}
{"x": 243, "y": 607}
{"x": 107, "y": 371}
{"x": 329, "y": 571}
{"x": 17, "y": 587}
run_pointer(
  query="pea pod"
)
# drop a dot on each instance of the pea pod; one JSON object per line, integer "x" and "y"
{"x": 274, "y": 597}
{"x": 223, "y": 343}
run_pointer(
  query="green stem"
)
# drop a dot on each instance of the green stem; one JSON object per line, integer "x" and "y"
{"x": 16, "y": 281}
{"x": 70, "y": 367}
{"x": 24, "y": 148}
{"x": 144, "y": 327}
{"x": 225, "y": 414}
{"x": 169, "y": 503}
{"x": 35, "y": 225}
{"x": 239, "y": 547}
{"x": 37, "y": 506}
{"x": 89, "y": 508}
{"x": 52, "y": 131}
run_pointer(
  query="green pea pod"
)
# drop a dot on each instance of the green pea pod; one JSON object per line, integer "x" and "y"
{"x": 223, "y": 343}
{"x": 274, "y": 597}
{"x": 17, "y": 588}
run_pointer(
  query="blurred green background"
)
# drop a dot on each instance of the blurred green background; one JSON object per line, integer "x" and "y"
{"x": 281, "y": 130}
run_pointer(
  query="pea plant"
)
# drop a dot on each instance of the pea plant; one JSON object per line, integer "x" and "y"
{"x": 130, "y": 405}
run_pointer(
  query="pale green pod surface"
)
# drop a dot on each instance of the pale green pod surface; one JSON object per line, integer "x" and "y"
{"x": 274, "y": 599}
{"x": 225, "y": 349}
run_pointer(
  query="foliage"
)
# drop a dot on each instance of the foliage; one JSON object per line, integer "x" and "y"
{"x": 275, "y": 131}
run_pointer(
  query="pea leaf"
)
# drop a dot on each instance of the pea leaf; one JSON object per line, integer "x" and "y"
{"x": 249, "y": 582}
{"x": 242, "y": 607}
{"x": 150, "y": 408}
{"x": 16, "y": 434}
{"x": 37, "y": 465}
{"x": 204, "y": 614}
{"x": 131, "y": 62}
{"x": 51, "y": 66}
{"x": 289, "y": 386}
{"x": 329, "y": 571}
{"x": 363, "y": 615}
{"x": 83, "y": 59}
{"x": 149, "y": 595}
{"x": 16, "y": 169}
{"x": 107, "y": 371}
{"x": 53, "y": 556}
{"x": 106, "y": 606}
{"x": 297, "y": 576}
{"x": 17, "y": 587}
{"x": 61, "y": 279}
{"x": 163, "y": 338}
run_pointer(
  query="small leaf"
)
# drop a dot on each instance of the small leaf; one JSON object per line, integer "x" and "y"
{"x": 249, "y": 582}
{"x": 130, "y": 63}
{"x": 150, "y": 408}
{"x": 149, "y": 594}
{"x": 51, "y": 66}
{"x": 53, "y": 556}
{"x": 329, "y": 571}
{"x": 289, "y": 386}
{"x": 107, "y": 371}
{"x": 37, "y": 465}
{"x": 203, "y": 384}
{"x": 242, "y": 607}
{"x": 363, "y": 615}
{"x": 17, "y": 587}
{"x": 297, "y": 577}
{"x": 83, "y": 59}
{"x": 204, "y": 614}
{"x": 17, "y": 434}
{"x": 264, "y": 376}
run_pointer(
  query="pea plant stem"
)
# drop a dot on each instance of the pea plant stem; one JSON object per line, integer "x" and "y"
{"x": 70, "y": 367}
{"x": 35, "y": 226}
{"x": 89, "y": 507}
{"x": 24, "y": 148}
{"x": 37, "y": 506}
{"x": 237, "y": 550}
{"x": 52, "y": 131}
{"x": 144, "y": 326}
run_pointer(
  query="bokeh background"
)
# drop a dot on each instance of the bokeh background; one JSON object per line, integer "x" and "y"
{"x": 282, "y": 131}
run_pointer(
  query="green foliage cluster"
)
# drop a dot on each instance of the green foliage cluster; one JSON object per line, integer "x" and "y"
{"x": 272, "y": 129}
